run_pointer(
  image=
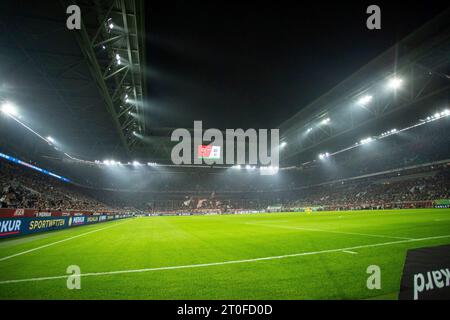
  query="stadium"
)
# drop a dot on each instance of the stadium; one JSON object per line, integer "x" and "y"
{"x": 352, "y": 199}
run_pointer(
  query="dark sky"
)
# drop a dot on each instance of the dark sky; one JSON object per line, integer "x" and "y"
{"x": 253, "y": 64}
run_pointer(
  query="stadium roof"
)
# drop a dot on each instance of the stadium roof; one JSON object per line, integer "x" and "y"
{"x": 84, "y": 88}
{"x": 419, "y": 62}
{"x": 87, "y": 89}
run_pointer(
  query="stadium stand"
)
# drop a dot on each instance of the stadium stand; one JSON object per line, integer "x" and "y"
{"x": 22, "y": 188}
{"x": 414, "y": 187}
{"x": 405, "y": 170}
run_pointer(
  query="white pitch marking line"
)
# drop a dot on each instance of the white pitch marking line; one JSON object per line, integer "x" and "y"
{"x": 94, "y": 274}
{"x": 330, "y": 231}
{"x": 59, "y": 241}
{"x": 348, "y": 251}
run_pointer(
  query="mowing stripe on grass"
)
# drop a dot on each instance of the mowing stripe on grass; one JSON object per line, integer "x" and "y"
{"x": 330, "y": 231}
{"x": 211, "y": 264}
{"x": 59, "y": 241}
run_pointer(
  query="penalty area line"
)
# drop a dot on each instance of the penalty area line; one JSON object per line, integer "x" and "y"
{"x": 59, "y": 241}
{"x": 329, "y": 231}
{"x": 348, "y": 251}
{"x": 211, "y": 264}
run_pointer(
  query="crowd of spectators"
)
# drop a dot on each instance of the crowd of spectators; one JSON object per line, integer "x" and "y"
{"x": 20, "y": 187}
{"x": 416, "y": 187}
{"x": 376, "y": 192}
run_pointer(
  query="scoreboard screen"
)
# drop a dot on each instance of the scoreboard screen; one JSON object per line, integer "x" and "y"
{"x": 209, "y": 152}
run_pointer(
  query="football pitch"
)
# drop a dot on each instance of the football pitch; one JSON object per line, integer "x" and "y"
{"x": 255, "y": 256}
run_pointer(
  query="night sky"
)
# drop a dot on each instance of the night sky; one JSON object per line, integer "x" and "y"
{"x": 253, "y": 64}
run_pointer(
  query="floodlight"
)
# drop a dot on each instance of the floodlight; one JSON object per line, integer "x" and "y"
{"x": 283, "y": 144}
{"x": 325, "y": 121}
{"x": 309, "y": 130}
{"x": 366, "y": 140}
{"x": 136, "y": 163}
{"x": 9, "y": 109}
{"x": 395, "y": 83}
{"x": 324, "y": 155}
{"x": 437, "y": 115}
{"x": 50, "y": 139}
{"x": 365, "y": 100}
{"x": 111, "y": 26}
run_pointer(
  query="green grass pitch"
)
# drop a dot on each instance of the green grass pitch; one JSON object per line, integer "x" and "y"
{"x": 261, "y": 256}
